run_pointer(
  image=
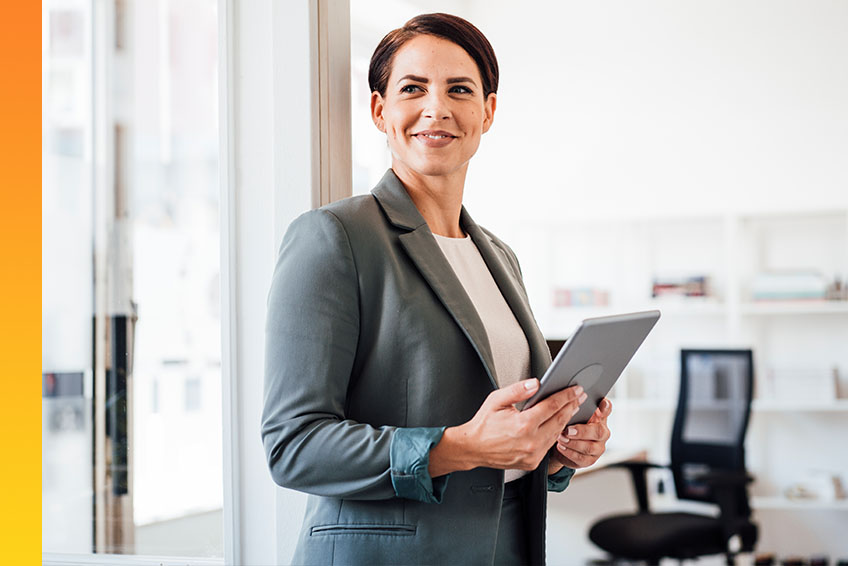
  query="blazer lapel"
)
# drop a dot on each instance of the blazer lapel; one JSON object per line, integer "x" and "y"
{"x": 507, "y": 280}
{"x": 431, "y": 262}
{"x": 434, "y": 267}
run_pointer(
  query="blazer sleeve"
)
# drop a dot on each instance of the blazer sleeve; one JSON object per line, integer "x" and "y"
{"x": 312, "y": 331}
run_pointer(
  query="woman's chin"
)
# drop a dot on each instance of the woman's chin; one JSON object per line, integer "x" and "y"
{"x": 431, "y": 168}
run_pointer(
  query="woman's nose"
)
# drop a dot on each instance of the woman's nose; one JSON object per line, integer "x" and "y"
{"x": 436, "y": 107}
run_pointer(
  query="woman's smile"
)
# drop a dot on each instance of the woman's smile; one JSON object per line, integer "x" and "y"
{"x": 434, "y": 138}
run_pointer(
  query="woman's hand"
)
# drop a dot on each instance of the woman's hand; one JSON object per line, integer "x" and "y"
{"x": 501, "y": 436}
{"x": 580, "y": 446}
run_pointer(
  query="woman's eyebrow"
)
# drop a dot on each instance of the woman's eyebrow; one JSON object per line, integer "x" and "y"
{"x": 425, "y": 80}
{"x": 414, "y": 78}
{"x": 461, "y": 80}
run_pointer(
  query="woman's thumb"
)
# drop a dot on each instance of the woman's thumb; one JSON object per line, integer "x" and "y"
{"x": 517, "y": 392}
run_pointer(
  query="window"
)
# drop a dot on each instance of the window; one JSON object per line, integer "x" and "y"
{"x": 131, "y": 364}
{"x": 193, "y": 394}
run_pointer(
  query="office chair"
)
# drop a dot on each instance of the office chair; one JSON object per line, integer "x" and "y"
{"x": 707, "y": 464}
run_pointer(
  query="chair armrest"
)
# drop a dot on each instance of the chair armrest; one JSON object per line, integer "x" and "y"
{"x": 726, "y": 478}
{"x": 637, "y": 471}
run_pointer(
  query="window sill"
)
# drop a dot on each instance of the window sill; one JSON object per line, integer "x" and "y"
{"x": 58, "y": 559}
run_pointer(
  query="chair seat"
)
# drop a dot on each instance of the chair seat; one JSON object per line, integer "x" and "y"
{"x": 657, "y": 535}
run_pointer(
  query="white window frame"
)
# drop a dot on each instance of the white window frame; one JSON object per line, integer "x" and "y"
{"x": 290, "y": 62}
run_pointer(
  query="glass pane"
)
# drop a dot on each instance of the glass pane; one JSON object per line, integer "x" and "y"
{"x": 67, "y": 269}
{"x": 131, "y": 435}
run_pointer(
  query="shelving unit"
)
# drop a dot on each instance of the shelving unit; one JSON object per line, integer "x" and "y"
{"x": 794, "y": 433}
{"x": 622, "y": 255}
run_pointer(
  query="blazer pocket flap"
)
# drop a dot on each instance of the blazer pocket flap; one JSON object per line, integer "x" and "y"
{"x": 363, "y": 529}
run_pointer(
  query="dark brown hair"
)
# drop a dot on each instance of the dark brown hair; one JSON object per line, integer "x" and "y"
{"x": 445, "y": 26}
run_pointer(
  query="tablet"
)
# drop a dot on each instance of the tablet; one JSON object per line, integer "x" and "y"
{"x": 594, "y": 357}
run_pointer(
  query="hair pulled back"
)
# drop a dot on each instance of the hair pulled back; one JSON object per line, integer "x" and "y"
{"x": 446, "y": 26}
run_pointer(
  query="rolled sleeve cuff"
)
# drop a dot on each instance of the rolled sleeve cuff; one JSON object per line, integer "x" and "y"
{"x": 410, "y": 463}
{"x": 560, "y": 480}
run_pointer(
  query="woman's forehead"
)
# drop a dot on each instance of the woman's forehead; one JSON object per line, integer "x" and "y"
{"x": 431, "y": 57}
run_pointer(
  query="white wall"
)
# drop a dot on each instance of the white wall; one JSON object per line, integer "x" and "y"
{"x": 626, "y": 107}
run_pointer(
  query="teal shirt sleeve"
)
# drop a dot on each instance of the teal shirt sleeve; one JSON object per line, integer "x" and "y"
{"x": 560, "y": 480}
{"x": 410, "y": 462}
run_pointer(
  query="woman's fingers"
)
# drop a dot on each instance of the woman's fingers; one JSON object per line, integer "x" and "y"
{"x": 602, "y": 412}
{"x": 557, "y": 415}
{"x": 582, "y": 445}
{"x": 574, "y": 459}
{"x": 590, "y": 431}
{"x": 587, "y": 447}
{"x": 515, "y": 393}
{"x": 543, "y": 411}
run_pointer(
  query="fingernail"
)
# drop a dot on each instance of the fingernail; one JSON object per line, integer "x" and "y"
{"x": 562, "y": 447}
{"x": 571, "y": 431}
{"x": 583, "y": 398}
{"x": 579, "y": 389}
{"x": 530, "y": 384}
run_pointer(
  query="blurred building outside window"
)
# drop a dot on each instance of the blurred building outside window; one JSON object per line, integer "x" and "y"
{"x": 131, "y": 341}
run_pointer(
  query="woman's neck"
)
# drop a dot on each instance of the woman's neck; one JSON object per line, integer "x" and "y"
{"x": 438, "y": 199}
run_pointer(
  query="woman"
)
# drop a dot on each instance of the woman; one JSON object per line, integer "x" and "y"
{"x": 399, "y": 338}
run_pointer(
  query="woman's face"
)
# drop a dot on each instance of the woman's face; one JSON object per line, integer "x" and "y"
{"x": 434, "y": 111}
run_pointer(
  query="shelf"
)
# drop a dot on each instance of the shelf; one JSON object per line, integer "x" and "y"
{"x": 758, "y": 405}
{"x": 643, "y": 404}
{"x": 768, "y": 308}
{"x": 707, "y": 308}
{"x": 688, "y": 308}
{"x": 779, "y": 405}
{"x": 667, "y": 502}
{"x": 559, "y": 323}
{"x": 782, "y": 503}
{"x": 683, "y": 307}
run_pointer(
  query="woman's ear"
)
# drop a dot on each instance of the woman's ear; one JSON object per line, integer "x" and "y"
{"x": 377, "y": 111}
{"x": 489, "y": 111}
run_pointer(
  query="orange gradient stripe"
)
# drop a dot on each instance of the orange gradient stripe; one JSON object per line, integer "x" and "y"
{"x": 20, "y": 284}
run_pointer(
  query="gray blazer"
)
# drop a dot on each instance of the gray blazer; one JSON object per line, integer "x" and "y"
{"x": 372, "y": 349}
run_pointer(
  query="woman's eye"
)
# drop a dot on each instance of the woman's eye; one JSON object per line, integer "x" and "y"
{"x": 410, "y": 89}
{"x": 461, "y": 89}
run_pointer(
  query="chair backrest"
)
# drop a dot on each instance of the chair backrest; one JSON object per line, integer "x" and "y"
{"x": 716, "y": 387}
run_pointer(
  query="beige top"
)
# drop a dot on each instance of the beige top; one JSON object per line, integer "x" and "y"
{"x": 509, "y": 346}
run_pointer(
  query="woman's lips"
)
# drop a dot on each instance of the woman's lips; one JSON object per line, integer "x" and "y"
{"x": 434, "y": 138}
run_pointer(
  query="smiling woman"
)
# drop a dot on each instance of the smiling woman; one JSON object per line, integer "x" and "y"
{"x": 433, "y": 113}
{"x": 399, "y": 338}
